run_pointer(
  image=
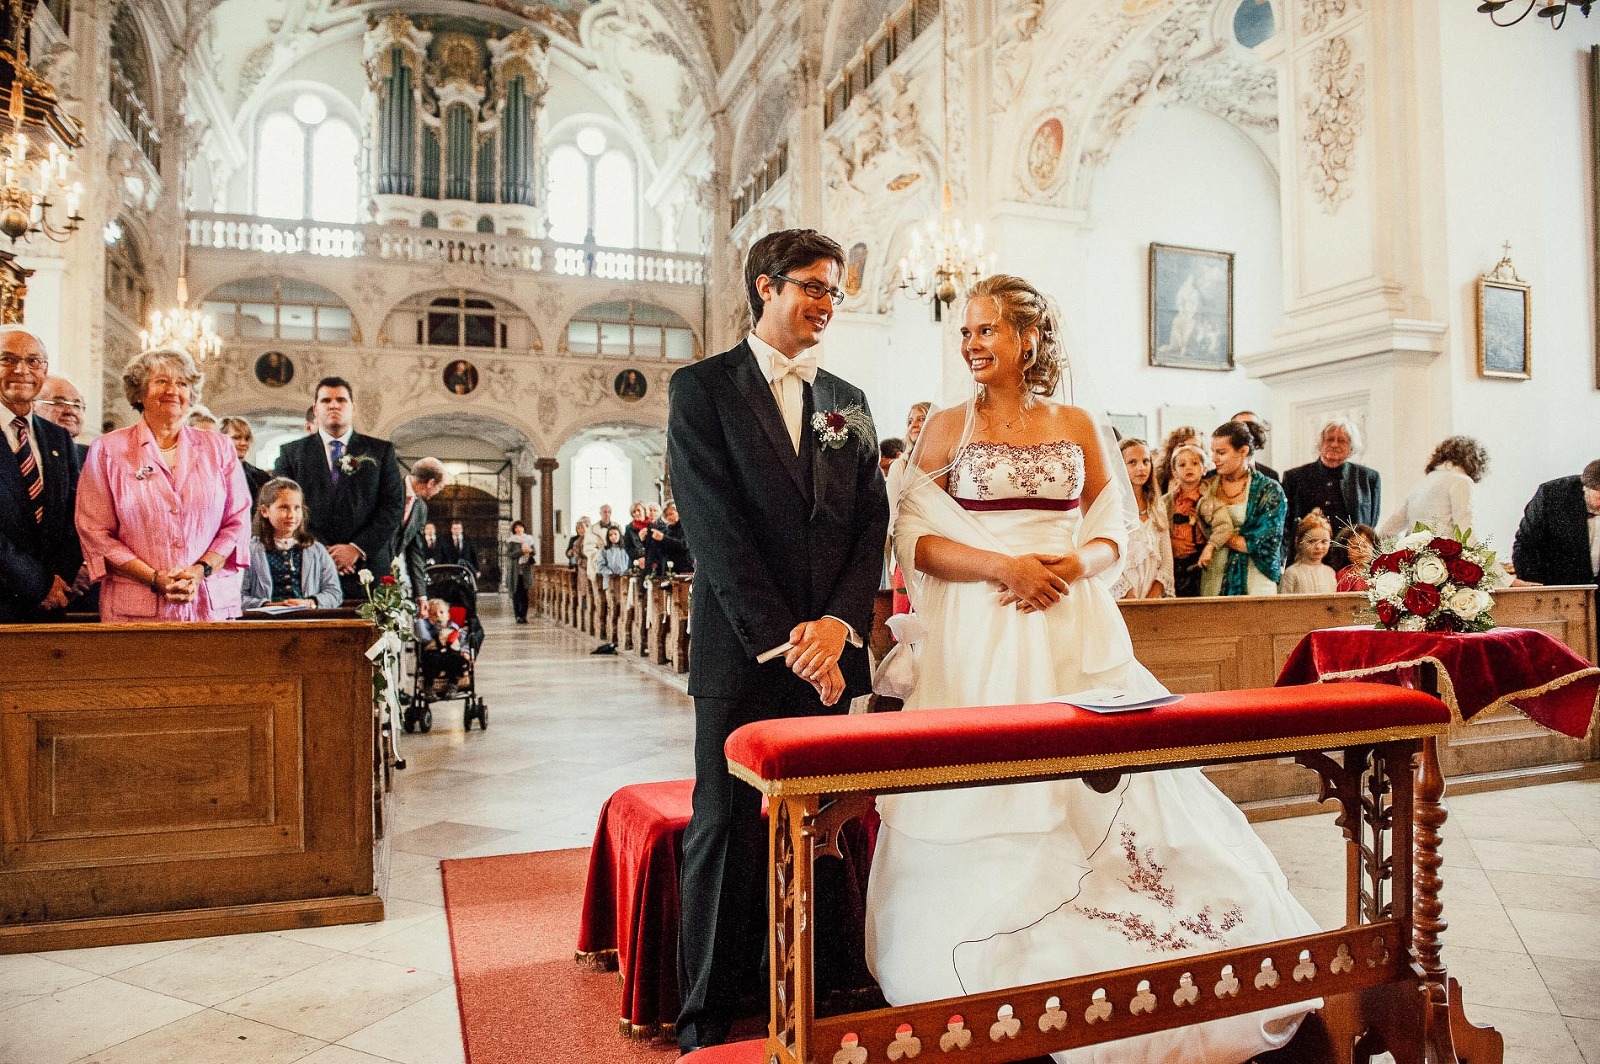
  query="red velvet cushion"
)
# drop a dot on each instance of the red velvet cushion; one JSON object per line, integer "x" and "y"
{"x": 1244, "y": 722}
{"x": 749, "y": 1052}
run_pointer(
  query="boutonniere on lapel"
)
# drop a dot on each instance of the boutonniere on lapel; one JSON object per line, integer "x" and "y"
{"x": 835, "y": 427}
{"x": 349, "y": 463}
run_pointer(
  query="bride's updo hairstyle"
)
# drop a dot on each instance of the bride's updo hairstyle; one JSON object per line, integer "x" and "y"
{"x": 1025, "y": 307}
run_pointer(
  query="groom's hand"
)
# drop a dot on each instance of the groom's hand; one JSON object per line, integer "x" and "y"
{"x": 830, "y": 685}
{"x": 817, "y": 646}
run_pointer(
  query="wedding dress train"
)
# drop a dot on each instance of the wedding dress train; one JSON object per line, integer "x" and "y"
{"x": 983, "y": 888}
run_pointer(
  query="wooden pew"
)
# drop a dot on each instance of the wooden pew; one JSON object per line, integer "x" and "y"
{"x": 1380, "y": 976}
{"x": 177, "y": 780}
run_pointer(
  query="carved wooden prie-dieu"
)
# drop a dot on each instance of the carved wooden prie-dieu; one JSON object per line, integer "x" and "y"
{"x": 1382, "y": 984}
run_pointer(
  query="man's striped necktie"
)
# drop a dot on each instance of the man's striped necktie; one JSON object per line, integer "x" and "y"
{"x": 30, "y": 469}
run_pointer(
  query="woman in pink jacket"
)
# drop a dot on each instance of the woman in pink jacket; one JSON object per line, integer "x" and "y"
{"x": 163, "y": 509}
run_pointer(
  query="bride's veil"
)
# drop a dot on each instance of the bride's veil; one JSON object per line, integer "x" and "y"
{"x": 1075, "y": 388}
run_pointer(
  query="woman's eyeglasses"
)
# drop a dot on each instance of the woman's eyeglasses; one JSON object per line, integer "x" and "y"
{"x": 814, "y": 289}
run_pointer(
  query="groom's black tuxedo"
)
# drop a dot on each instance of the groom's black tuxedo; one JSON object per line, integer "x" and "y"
{"x": 364, "y": 508}
{"x": 778, "y": 538}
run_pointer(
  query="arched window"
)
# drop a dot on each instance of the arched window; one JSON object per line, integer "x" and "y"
{"x": 278, "y": 308}
{"x": 461, "y": 321}
{"x": 486, "y": 224}
{"x": 429, "y": 220}
{"x": 601, "y": 475}
{"x": 299, "y": 136}
{"x": 630, "y": 330}
{"x": 593, "y": 191}
{"x": 132, "y": 85}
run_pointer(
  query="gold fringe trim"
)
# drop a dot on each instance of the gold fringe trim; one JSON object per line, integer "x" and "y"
{"x": 926, "y": 778}
{"x": 646, "y": 1032}
{"x": 1447, "y": 691}
{"x": 603, "y": 960}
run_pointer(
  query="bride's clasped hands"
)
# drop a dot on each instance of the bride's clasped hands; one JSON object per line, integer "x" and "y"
{"x": 1035, "y": 582}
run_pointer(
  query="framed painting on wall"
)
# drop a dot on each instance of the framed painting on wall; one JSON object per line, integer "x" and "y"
{"x": 1505, "y": 326}
{"x": 1130, "y": 426}
{"x": 1191, "y": 307}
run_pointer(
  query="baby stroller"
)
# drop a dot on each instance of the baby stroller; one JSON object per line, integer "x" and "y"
{"x": 456, "y": 585}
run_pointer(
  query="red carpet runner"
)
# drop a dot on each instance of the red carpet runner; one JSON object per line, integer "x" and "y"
{"x": 513, "y": 922}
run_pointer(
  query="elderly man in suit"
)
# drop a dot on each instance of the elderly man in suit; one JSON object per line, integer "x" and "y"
{"x": 1558, "y": 541}
{"x": 1346, "y": 492}
{"x": 788, "y": 537}
{"x": 425, "y": 480}
{"x": 354, "y": 498}
{"x": 39, "y": 550}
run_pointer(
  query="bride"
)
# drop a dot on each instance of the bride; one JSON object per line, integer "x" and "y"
{"x": 1010, "y": 532}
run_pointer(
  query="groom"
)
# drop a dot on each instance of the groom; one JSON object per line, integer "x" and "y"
{"x": 787, "y": 531}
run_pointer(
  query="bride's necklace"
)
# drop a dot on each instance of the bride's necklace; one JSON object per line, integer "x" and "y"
{"x": 1020, "y": 419}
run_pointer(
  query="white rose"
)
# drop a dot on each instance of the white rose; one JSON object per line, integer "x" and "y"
{"x": 1412, "y": 624}
{"x": 1389, "y": 586}
{"x": 1415, "y": 541}
{"x": 1431, "y": 570}
{"x": 1463, "y": 602}
{"x": 365, "y": 576}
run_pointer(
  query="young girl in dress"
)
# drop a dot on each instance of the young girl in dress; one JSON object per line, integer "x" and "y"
{"x": 1200, "y": 523}
{"x": 288, "y": 567}
{"x": 1148, "y": 572}
{"x": 1361, "y": 546}
{"x": 1308, "y": 576}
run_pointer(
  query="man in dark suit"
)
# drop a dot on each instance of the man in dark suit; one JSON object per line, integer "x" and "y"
{"x": 1346, "y": 492}
{"x": 1558, "y": 541}
{"x": 787, "y": 533}
{"x": 459, "y": 550}
{"x": 433, "y": 547}
{"x": 354, "y": 498}
{"x": 425, "y": 480}
{"x": 39, "y": 551}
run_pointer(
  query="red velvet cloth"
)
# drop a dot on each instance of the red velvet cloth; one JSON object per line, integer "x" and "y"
{"x": 944, "y": 738}
{"x": 1533, "y": 672}
{"x": 751, "y": 1051}
{"x": 631, "y": 901}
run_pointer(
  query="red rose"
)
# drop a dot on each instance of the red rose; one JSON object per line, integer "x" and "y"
{"x": 1464, "y": 572}
{"x": 1421, "y": 599}
{"x": 1391, "y": 562}
{"x": 1445, "y": 547}
{"x": 386, "y": 580}
{"x": 1387, "y": 614}
{"x": 835, "y": 422}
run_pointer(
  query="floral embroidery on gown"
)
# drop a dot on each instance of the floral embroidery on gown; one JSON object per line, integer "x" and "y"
{"x": 983, "y": 888}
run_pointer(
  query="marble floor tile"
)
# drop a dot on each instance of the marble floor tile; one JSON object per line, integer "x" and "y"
{"x": 336, "y": 998}
{"x": 26, "y": 977}
{"x": 105, "y": 960}
{"x": 1529, "y": 890}
{"x": 213, "y": 1037}
{"x": 1547, "y": 934}
{"x": 1503, "y": 980}
{"x": 428, "y": 1032}
{"x": 422, "y": 886}
{"x": 1469, "y": 886}
{"x": 1530, "y": 1037}
{"x": 337, "y": 1054}
{"x": 446, "y": 838}
{"x": 84, "y": 1019}
{"x": 1482, "y": 927}
{"x": 223, "y": 968}
{"x": 424, "y": 945}
{"x": 1587, "y": 1034}
{"x": 1583, "y": 861}
{"x": 1575, "y": 984}
{"x": 1552, "y": 831}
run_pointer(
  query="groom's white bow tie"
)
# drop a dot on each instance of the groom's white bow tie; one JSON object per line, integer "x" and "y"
{"x": 804, "y": 367}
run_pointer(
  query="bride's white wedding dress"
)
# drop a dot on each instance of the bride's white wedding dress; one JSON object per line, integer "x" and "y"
{"x": 978, "y": 889}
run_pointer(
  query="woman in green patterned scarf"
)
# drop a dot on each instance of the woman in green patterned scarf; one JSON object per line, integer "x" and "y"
{"x": 1253, "y": 561}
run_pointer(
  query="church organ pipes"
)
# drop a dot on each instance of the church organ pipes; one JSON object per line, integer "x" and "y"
{"x": 454, "y": 115}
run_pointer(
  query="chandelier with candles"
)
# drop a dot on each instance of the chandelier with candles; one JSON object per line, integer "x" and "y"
{"x": 182, "y": 326}
{"x": 37, "y": 138}
{"x": 1553, "y": 10}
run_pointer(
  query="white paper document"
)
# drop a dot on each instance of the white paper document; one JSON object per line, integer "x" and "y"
{"x": 274, "y": 611}
{"x": 1106, "y": 700}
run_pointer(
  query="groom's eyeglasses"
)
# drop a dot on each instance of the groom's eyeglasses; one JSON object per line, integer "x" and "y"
{"x": 814, "y": 289}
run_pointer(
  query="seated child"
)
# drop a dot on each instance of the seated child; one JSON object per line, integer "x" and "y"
{"x": 1361, "y": 544}
{"x": 288, "y": 567}
{"x": 443, "y": 648}
{"x": 1308, "y": 576}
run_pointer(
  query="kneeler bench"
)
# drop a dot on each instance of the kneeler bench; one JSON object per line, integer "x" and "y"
{"x": 1383, "y": 985}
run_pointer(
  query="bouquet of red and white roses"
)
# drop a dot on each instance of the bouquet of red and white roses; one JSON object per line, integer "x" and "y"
{"x": 1425, "y": 582}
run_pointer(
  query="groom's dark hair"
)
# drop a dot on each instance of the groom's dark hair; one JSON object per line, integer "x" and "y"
{"x": 785, "y": 251}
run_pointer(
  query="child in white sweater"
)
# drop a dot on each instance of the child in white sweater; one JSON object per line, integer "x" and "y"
{"x": 1308, "y": 576}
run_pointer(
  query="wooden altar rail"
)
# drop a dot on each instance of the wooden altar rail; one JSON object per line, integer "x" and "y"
{"x": 178, "y": 780}
{"x": 1192, "y": 646}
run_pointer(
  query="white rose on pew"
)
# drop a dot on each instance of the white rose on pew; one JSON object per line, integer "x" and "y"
{"x": 1467, "y": 603}
{"x": 1431, "y": 570}
{"x": 1412, "y": 624}
{"x": 1389, "y": 586}
{"x": 1414, "y": 541}
{"x": 365, "y": 576}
